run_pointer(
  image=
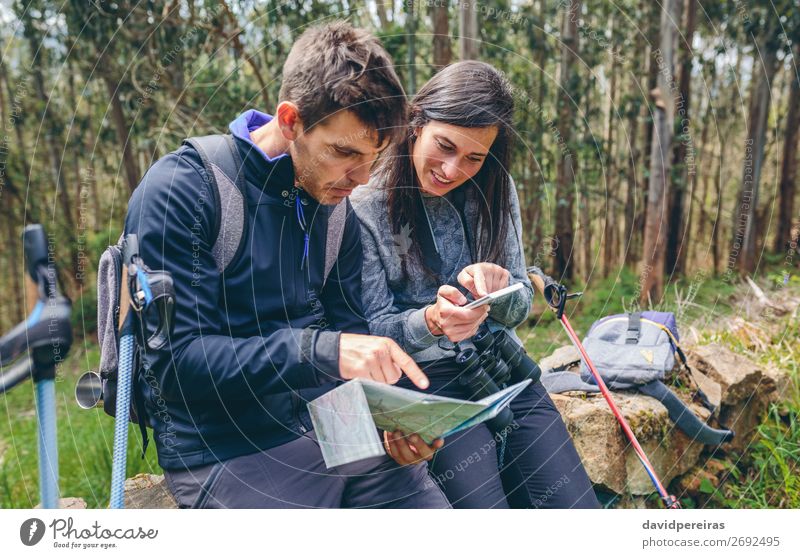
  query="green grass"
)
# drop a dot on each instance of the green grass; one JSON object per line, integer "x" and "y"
{"x": 698, "y": 300}
{"x": 768, "y": 475}
{"x": 85, "y": 441}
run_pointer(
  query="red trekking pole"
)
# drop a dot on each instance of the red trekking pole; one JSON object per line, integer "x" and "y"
{"x": 556, "y": 297}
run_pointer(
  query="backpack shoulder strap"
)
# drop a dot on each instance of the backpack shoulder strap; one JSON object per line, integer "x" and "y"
{"x": 336, "y": 222}
{"x": 634, "y": 328}
{"x": 223, "y": 166}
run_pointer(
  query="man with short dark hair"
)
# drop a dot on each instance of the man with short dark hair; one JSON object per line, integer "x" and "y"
{"x": 255, "y": 341}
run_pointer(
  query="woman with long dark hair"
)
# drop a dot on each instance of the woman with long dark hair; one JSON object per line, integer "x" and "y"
{"x": 441, "y": 222}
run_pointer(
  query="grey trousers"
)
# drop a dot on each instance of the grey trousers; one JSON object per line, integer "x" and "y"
{"x": 294, "y": 476}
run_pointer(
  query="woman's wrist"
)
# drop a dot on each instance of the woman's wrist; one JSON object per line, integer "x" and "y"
{"x": 431, "y": 322}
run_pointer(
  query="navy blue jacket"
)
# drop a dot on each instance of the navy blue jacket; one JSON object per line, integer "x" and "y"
{"x": 249, "y": 348}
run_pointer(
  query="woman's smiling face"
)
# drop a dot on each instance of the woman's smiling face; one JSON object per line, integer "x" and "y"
{"x": 445, "y": 156}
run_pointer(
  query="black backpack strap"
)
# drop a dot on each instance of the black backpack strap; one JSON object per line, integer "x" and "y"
{"x": 224, "y": 169}
{"x": 684, "y": 418}
{"x": 634, "y": 328}
{"x": 424, "y": 234}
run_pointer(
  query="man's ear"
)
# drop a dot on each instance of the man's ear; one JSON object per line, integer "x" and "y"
{"x": 289, "y": 120}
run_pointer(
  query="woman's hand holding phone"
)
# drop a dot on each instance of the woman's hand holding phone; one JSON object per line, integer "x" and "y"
{"x": 448, "y": 317}
{"x": 483, "y": 278}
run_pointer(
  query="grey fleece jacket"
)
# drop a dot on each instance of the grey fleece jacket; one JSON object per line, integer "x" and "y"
{"x": 395, "y": 306}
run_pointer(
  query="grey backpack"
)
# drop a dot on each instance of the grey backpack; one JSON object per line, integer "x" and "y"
{"x": 636, "y": 351}
{"x": 224, "y": 168}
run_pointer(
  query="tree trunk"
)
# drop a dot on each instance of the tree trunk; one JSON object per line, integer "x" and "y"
{"x": 442, "y": 52}
{"x": 533, "y": 207}
{"x": 678, "y": 232}
{"x": 789, "y": 162}
{"x": 469, "y": 43}
{"x": 715, "y": 232}
{"x": 584, "y": 205}
{"x": 236, "y": 42}
{"x": 56, "y": 161}
{"x": 565, "y": 179}
{"x": 634, "y": 199}
{"x": 702, "y": 178}
{"x": 16, "y": 270}
{"x": 652, "y": 273}
{"x": 383, "y": 18}
{"x": 20, "y": 152}
{"x": 745, "y": 225}
{"x": 411, "y": 37}
{"x": 652, "y": 82}
{"x": 611, "y": 172}
{"x": 123, "y": 135}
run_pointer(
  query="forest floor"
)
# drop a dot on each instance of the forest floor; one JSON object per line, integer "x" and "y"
{"x": 708, "y": 309}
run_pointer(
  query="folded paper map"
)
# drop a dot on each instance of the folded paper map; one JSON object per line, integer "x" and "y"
{"x": 346, "y": 419}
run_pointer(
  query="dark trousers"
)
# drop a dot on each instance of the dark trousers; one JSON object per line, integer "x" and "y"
{"x": 294, "y": 476}
{"x": 540, "y": 469}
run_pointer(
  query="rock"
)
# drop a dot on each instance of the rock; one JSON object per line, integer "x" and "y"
{"x": 69, "y": 504}
{"x": 746, "y": 389}
{"x": 783, "y": 384}
{"x": 606, "y": 453}
{"x": 708, "y": 386}
{"x": 561, "y": 359}
{"x": 703, "y": 479}
{"x": 145, "y": 491}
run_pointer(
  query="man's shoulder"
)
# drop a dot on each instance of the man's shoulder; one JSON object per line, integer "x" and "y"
{"x": 178, "y": 176}
{"x": 176, "y": 183}
{"x": 180, "y": 164}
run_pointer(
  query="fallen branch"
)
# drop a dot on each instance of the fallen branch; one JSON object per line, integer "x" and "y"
{"x": 763, "y": 300}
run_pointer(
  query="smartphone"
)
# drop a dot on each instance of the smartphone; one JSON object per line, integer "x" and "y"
{"x": 497, "y": 295}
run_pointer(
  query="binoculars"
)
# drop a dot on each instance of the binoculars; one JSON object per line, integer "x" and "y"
{"x": 495, "y": 360}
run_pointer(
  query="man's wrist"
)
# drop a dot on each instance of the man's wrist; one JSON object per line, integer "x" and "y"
{"x": 320, "y": 351}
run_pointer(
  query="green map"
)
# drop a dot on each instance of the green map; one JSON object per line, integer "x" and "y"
{"x": 346, "y": 419}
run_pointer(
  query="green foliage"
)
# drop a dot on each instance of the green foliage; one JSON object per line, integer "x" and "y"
{"x": 85, "y": 441}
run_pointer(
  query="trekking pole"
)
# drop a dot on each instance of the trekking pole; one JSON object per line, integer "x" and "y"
{"x": 142, "y": 290}
{"x": 45, "y": 337}
{"x": 556, "y": 297}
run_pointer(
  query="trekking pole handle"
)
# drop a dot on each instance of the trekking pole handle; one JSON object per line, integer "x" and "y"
{"x": 555, "y": 294}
